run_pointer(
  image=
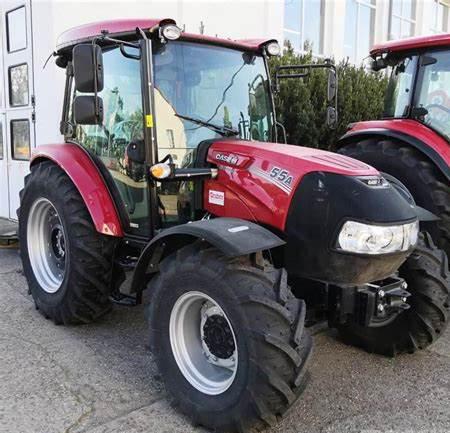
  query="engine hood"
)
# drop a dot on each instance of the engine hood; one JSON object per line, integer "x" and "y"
{"x": 257, "y": 180}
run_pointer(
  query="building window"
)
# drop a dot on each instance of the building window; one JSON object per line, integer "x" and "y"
{"x": 16, "y": 29}
{"x": 303, "y": 24}
{"x": 20, "y": 139}
{"x": 438, "y": 17}
{"x": 359, "y": 29}
{"x": 402, "y": 18}
{"x": 1, "y": 140}
{"x": 18, "y": 85}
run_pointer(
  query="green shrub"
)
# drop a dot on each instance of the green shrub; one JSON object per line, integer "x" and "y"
{"x": 301, "y": 103}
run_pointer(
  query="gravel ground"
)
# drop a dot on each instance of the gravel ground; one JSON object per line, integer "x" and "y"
{"x": 102, "y": 378}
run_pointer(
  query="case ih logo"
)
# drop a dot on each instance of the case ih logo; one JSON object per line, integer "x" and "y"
{"x": 230, "y": 159}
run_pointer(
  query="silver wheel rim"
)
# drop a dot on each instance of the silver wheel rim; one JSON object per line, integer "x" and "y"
{"x": 46, "y": 245}
{"x": 203, "y": 343}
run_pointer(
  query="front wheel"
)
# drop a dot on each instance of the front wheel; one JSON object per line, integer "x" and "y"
{"x": 229, "y": 339}
{"x": 427, "y": 274}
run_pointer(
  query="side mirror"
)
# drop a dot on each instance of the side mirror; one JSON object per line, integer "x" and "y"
{"x": 332, "y": 85}
{"x": 88, "y": 110}
{"x": 331, "y": 117}
{"x": 88, "y": 68}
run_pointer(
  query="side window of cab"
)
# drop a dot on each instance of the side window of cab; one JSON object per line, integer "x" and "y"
{"x": 119, "y": 141}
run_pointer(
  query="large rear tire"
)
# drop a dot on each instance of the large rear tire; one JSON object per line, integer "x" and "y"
{"x": 422, "y": 178}
{"x": 251, "y": 369}
{"x": 428, "y": 277}
{"x": 66, "y": 262}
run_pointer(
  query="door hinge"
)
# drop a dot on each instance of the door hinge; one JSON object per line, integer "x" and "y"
{"x": 33, "y": 117}
{"x": 33, "y": 100}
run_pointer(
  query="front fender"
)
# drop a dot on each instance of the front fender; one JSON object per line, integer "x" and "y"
{"x": 80, "y": 168}
{"x": 232, "y": 236}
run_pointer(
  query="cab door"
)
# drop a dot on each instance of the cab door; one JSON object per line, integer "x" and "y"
{"x": 19, "y": 98}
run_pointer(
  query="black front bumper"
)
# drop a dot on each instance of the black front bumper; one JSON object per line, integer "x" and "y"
{"x": 320, "y": 206}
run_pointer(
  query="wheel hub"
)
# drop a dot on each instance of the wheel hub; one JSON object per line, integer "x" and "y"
{"x": 57, "y": 242}
{"x": 217, "y": 336}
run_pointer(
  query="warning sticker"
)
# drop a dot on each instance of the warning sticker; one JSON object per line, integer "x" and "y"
{"x": 216, "y": 197}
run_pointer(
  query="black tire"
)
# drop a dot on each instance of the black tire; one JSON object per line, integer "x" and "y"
{"x": 426, "y": 183}
{"x": 268, "y": 321}
{"x": 83, "y": 295}
{"x": 428, "y": 277}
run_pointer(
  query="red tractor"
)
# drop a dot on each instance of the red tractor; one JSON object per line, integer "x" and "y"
{"x": 171, "y": 180}
{"x": 411, "y": 142}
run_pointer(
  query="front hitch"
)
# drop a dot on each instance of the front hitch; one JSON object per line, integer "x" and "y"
{"x": 370, "y": 305}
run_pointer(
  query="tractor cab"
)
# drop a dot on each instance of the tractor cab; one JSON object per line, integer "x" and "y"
{"x": 163, "y": 95}
{"x": 418, "y": 88}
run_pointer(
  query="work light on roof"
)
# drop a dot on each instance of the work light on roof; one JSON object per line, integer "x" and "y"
{"x": 171, "y": 32}
{"x": 273, "y": 49}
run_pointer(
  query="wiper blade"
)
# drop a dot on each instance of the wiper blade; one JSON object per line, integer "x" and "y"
{"x": 222, "y": 130}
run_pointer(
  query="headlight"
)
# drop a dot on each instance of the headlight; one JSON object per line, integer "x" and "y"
{"x": 360, "y": 238}
{"x": 171, "y": 32}
{"x": 273, "y": 49}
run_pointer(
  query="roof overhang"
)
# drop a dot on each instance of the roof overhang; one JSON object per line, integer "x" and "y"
{"x": 411, "y": 44}
{"x": 126, "y": 28}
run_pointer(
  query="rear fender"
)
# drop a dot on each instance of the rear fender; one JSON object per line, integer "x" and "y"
{"x": 232, "y": 236}
{"x": 80, "y": 168}
{"x": 427, "y": 142}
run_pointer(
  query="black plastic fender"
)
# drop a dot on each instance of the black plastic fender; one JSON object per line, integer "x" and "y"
{"x": 232, "y": 236}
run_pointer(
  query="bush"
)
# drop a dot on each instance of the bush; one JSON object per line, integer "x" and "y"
{"x": 301, "y": 103}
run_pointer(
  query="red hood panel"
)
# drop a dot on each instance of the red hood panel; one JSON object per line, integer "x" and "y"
{"x": 257, "y": 180}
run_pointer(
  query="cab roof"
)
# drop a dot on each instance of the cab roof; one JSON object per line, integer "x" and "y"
{"x": 126, "y": 28}
{"x": 411, "y": 44}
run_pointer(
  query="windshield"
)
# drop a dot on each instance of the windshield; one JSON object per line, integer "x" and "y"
{"x": 434, "y": 91}
{"x": 399, "y": 90}
{"x": 204, "y": 92}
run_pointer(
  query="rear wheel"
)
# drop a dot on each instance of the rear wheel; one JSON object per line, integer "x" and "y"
{"x": 428, "y": 277}
{"x": 67, "y": 263}
{"x": 422, "y": 178}
{"x": 229, "y": 339}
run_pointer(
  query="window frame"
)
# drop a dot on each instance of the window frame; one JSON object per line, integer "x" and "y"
{"x": 10, "y": 87}
{"x": 11, "y": 122}
{"x": 319, "y": 53}
{"x": 373, "y": 8}
{"x": 2, "y": 141}
{"x": 411, "y": 21}
{"x": 7, "y": 29}
{"x": 435, "y": 15}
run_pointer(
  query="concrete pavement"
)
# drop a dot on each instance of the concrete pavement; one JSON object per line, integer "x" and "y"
{"x": 102, "y": 378}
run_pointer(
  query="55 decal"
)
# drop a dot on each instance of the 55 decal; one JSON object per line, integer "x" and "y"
{"x": 281, "y": 175}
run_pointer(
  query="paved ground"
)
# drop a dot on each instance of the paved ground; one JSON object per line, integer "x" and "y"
{"x": 102, "y": 378}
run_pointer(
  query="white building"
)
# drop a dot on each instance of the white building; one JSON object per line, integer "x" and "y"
{"x": 31, "y": 98}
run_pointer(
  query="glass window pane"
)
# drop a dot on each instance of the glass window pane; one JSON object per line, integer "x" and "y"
{"x": 16, "y": 25}
{"x": 1, "y": 140}
{"x": 294, "y": 39}
{"x": 433, "y": 93}
{"x": 408, "y": 9}
{"x": 396, "y": 7}
{"x": 351, "y": 10}
{"x": 292, "y": 15}
{"x": 18, "y": 85}
{"x": 20, "y": 139}
{"x": 119, "y": 141}
{"x": 312, "y": 25}
{"x": 407, "y": 29}
{"x": 396, "y": 28}
{"x": 366, "y": 30}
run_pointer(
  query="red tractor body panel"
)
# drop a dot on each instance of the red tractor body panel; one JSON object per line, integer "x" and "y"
{"x": 257, "y": 180}
{"x": 77, "y": 164}
{"x": 409, "y": 127}
{"x": 411, "y": 44}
